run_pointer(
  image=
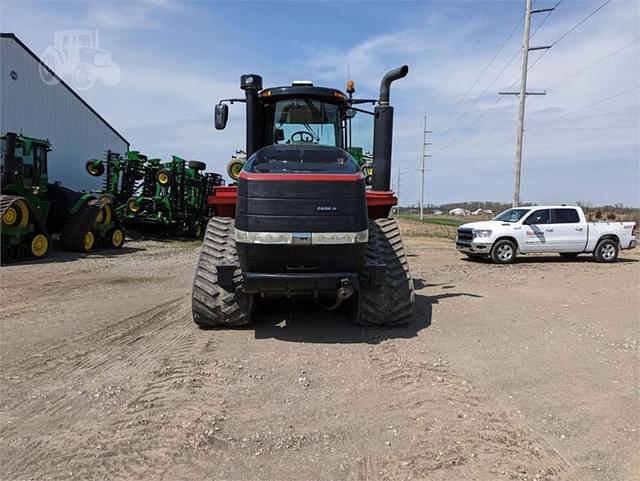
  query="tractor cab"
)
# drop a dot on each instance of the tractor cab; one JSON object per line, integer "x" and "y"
{"x": 23, "y": 163}
{"x": 304, "y": 114}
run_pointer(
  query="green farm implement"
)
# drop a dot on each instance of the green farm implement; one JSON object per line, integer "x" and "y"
{"x": 32, "y": 209}
{"x": 165, "y": 197}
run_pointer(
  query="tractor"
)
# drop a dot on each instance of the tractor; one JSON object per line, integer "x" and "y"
{"x": 32, "y": 209}
{"x": 169, "y": 197}
{"x": 301, "y": 220}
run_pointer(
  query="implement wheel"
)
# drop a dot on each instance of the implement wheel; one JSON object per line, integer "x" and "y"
{"x": 116, "y": 237}
{"x": 212, "y": 304}
{"x": 392, "y": 303}
{"x": 164, "y": 177}
{"x": 39, "y": 245}
{"x": 94, "y": 168}
{"x": 234, "y": 168}
{"x": 77, "y": 235}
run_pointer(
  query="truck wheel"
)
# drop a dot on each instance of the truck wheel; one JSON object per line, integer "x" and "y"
{"x": 393, "y": 303}
{"x": 606, "y": 251}
{"x": 503, "y": 252}
{"x": 213, "y": 305}
{"x": 76, "y": 234}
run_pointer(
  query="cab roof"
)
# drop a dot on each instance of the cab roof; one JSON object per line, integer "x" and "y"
{"x": 324, "y": 93}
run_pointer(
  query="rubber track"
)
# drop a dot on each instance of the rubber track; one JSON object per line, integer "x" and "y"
{"x": 394, "y": 303}
{"x": 73, "y": 232}
{"x": 213, "y": 305}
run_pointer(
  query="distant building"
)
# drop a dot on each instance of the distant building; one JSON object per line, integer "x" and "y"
{"x": 458, "y": 211}
{"x": 52, "y": 110}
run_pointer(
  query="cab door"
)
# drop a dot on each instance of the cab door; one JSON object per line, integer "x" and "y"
{"x": 538, "y": 232}
{"x": 570, "y": 235}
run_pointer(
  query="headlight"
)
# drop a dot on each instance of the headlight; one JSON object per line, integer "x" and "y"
{"x": 482, "y": 233}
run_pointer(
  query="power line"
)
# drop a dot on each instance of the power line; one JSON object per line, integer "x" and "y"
{"x": 567, "y": 114}
{"x": 446, "y": 117}
{"x": 580, "y": 22}
{"x": 495, "y": 79}
{"x": 561, "y": 37}
{"x": 535, "y": 126}
{"x": 607, "y": 57}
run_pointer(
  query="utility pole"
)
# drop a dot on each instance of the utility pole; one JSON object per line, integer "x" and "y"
{"x": 423, "y": 169}
{"x": 523, "y": 96}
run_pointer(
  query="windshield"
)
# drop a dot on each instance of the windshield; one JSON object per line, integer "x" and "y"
{"x": 304, "y": 121}
{"x": 512, "y": 215}
{"x": 298, "y": 159}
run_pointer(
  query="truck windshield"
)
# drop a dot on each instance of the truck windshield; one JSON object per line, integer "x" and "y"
{"x": 512, "y": 215}
{"x": 304, "y": 121}
{"x": 299, "y": 159}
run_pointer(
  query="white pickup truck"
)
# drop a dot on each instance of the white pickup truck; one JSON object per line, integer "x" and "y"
{"x": 541, "y": 229}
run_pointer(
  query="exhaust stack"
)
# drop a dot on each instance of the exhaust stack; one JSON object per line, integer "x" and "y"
{"x": 383, "y": 131}
{"x": 252, "y": 84}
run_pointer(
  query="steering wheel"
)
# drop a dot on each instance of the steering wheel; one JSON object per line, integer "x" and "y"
{"x": 302, "y": 136}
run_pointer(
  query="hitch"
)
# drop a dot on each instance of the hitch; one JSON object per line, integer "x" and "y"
{"x": 345, "y": 291}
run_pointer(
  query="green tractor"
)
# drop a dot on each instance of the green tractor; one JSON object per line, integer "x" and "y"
{"x": 169, "y": 197}
{"x": 32, "y": 209}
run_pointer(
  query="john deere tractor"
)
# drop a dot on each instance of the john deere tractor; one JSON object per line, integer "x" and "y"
{"x": 169, "y": 197}
{"x": 32, "y": 209}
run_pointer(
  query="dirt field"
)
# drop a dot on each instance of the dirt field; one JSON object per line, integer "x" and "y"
{"x": 522, "y": 372}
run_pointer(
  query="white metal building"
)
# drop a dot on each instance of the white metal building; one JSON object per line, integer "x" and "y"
{"x": 53, "y": 111}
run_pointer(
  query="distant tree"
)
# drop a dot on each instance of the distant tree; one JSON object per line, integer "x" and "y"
{"x": 599, "y": 214}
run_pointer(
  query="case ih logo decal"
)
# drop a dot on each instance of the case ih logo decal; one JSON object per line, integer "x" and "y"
{"x": 326, "y": 208}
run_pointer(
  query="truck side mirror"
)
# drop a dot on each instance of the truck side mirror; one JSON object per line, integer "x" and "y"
{"x": 221, "y": 115}
{"x": 279, "y": 135}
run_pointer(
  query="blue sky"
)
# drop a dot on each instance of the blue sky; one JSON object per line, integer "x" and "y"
{"x": 178, "y": 58}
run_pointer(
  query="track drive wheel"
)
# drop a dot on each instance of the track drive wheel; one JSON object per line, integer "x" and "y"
{"x": 212, "y": 304}
{"x": 393, "y": 303}
{"x": 76, "y": 234}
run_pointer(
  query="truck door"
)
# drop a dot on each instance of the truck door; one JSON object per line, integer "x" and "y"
{"x": 569, "y": 234}
{"x": 537, "y": 231}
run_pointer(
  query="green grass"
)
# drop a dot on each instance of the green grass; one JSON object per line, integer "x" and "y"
{"x": 438, "y": 220}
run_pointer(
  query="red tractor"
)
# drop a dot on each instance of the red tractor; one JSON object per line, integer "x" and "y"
{"x": 301, "y": 220}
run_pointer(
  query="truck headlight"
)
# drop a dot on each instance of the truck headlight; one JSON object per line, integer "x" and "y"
{"x": 482, "y": 234}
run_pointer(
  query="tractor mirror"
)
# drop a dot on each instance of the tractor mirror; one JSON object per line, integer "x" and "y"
{"x": 221, "y": 115}
{"x": 279, "y": 134}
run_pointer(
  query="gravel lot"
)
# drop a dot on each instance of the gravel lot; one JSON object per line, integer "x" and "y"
{"x": 522, "y": 372}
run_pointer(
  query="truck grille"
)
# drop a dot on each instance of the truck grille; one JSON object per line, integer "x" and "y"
{"x": 465, "y": 235}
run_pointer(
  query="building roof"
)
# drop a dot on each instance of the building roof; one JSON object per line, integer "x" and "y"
{"x": 62, "y": 82}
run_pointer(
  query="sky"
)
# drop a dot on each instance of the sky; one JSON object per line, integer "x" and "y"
{"x": 178, "y": 58}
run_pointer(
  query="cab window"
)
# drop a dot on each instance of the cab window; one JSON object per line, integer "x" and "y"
{"x": 566, "y": 216}
{"x": 537, "y": 217}
{"x": 303, "y": 121}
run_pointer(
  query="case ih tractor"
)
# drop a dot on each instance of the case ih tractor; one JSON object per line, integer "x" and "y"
{"x": 32, "y": 209}
{"x": 166, "y": 197}
{"x": 300, "y": 220}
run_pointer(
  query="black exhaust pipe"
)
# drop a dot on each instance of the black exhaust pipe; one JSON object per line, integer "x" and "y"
{"x": 383, "y": 131}
{"x": 252, "y": 84}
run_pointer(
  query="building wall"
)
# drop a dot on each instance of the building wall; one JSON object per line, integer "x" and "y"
{"x": 33, "y": 108}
